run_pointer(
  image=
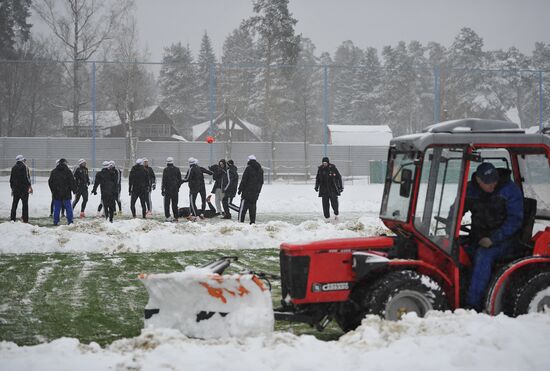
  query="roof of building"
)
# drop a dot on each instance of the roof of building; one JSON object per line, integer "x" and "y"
{"x": 104, "y": 119}
{"x": 201, "y": 128}
{"x": 360, "y": 128}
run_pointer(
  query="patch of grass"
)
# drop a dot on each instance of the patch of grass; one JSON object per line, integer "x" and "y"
{"x": 96, "y": 297}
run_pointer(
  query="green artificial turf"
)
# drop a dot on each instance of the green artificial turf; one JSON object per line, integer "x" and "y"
{"x": 97, "y": 297}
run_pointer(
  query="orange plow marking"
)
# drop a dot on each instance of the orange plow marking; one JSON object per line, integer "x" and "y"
{"x": 214, "y": 292}
{"x": 259, "y": 282}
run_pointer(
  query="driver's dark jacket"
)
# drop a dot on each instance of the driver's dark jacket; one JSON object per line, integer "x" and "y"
{"x": 497, "y": 215}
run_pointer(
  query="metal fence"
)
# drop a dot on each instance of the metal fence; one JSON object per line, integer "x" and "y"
{"x": 292, "y": 161}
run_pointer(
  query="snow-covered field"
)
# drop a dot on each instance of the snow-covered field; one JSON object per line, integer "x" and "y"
{"x": 441, "y": 341}
{"x": 286, "y": 212}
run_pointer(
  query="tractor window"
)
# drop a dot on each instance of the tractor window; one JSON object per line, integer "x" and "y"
{"x": 398, "y": 186}
{"x": 438, "y": 193}
{"x": 535, "y": 172}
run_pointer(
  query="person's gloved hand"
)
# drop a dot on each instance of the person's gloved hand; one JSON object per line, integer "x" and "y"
{"x": 485, "y": 242}
{"x": 239, "y": 192}
{"x": 130, "y": 193}
{"x": 316, "y": 189}
{"x": 154, "y": 186}
{"x": 162, "y": 193}
{"x": 94, "y": 193}
{"x": 341, "y": 190}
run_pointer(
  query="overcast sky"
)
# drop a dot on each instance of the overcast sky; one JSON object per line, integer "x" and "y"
{"x": 501, "y": 23}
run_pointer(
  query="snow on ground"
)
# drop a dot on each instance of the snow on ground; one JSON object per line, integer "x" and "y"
{"x": 442, "y": 341}
{"x": 286, "y": 212}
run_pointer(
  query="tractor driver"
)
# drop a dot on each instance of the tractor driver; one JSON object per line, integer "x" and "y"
{"x": 496, "y": 206}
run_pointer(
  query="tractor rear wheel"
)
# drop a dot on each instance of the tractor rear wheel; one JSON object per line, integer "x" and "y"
{"x": 533, "y": 296}
{"x": 401, "y": 292}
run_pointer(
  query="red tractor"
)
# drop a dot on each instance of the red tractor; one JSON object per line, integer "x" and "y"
{"x": 423, "y": 266}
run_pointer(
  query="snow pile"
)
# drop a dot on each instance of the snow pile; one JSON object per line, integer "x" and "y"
{"x": 205, "y": 305}
{"x": 138, "y": 235}
{"x": 441, "y": 341}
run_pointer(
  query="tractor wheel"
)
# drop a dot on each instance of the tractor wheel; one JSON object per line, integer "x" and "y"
{"x": 351, "y": 313}
{"x": 533, "y": 296}
{"x": 402, "y": 292}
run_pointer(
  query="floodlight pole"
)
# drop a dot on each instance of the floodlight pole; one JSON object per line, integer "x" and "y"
{"x": 211, "y": 109}
{"x": 93, "y": 118}
{"x": 325, "y": 108}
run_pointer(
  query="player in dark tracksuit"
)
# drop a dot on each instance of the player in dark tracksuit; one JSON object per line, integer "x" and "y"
{"x": 138, "y": 188}
{"x": 250, "y": 188}
{"x": 62, "y": 184}
{"x": 20, "y": 186}
{"x": 185, "y": 212}
{"x": 82, "y": 182}
{"x": 329, "y": 185}
{"x": 230, "y": 189}
{"x": 170, "y": 185}
{"x": 195, "y": 179}
{"x": 152, "y": 184}
{"x": 106, "y": 179}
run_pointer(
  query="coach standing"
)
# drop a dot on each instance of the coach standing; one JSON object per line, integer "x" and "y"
{"x": 329, "y": 185}
{"x": 20, "y": 187}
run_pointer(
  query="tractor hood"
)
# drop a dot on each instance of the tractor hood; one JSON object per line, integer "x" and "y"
{"x": 340, "y": 244}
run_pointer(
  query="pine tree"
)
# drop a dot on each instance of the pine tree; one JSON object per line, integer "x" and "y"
{"x": 13, "y": 25}
{"x": 277, "y": 44}
{"x": 237, "y": 75}
{"x": 347, "y": 60}
{"x": 469, "y": 91}
{"x": 206, "y": 61}
{"x": 541, "y": 62}
{"x": 178, "y": 85}
{"x": 368, "y": 89}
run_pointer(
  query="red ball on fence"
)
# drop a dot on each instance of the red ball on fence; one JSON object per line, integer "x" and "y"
{"x": 209, "y": 140}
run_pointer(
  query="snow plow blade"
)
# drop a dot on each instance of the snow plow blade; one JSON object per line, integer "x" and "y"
{"x": 204, "y": 304}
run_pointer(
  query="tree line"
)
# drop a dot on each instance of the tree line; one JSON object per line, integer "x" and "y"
{"x": 267, "y": 74}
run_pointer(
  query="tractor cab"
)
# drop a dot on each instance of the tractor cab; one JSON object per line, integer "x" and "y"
{"x": 428, "y": 173}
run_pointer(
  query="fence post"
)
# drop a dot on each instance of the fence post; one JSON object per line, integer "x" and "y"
{"x": 33, "y": 176}
{"x": 269, "y": 163}
{"x": 540, "y": 100}
{"x": 437, "y": 93}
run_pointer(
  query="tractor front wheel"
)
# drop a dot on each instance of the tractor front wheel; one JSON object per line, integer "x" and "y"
{"x": 533, "y": 296}
{"x": 401, "y": 292}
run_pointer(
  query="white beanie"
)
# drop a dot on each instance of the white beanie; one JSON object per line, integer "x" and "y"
{"x": 106, "y": 164}
{"x": 81, "y": 161}
{"x": 19, "y": 158}
{"x": 139, "y": 161}
{"x": 144, "y": 159}
{"x": 57, "y": 162}
{"x": 169, "y": 160}
{"x": 192, "y": 161}
{"x": 251, "y": 157}
{"x": 112, "y": 163}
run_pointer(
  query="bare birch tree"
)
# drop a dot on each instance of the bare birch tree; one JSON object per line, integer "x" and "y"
{"x": 82, "y": 27}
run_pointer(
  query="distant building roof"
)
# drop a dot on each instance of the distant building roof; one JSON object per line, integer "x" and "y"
{"x": 104, "y": 119}
{"x": 369, "y": 135}
{"x": 200, "y": 129}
